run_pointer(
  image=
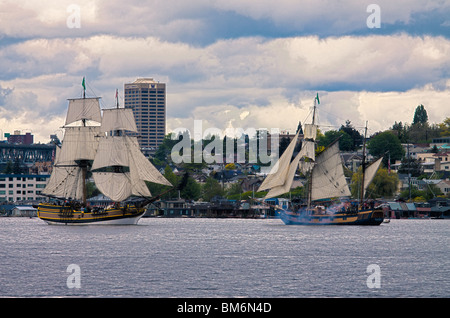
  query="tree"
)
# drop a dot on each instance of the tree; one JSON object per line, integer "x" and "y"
{"x": 420, "y": 116}
{"x": 356, "y": 137}
{"x": 8, "y": 168}
{"x": 192, "y": 190}
{"x": 412, "y": 166}
{"x": 401, "y": 131}
{"x": 444, "y": 127}
{"x": 345, "y": 141}
{"x": 383, "y": 142}
{"x": 235, "y": 190}
{"x": 211, "y": 188}
{"x": 284, "y": 143}
{"x": 384, "y": 184}
{"x": 299, "y": 128}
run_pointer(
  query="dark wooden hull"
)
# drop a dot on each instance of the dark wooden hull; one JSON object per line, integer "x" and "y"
{"x": 57, "y": 214}
{"x": 369, "y": 217}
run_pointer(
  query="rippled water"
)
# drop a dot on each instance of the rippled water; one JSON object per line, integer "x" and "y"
{"x": 224, "y": 258}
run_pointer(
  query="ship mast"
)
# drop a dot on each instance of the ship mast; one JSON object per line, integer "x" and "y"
{"x": 316, "y": 99}
{"x": 363, "y": 166}
{"x": 83, "y": 163}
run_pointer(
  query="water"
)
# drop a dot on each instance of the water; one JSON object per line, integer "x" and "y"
{"x": 224, "y": 258}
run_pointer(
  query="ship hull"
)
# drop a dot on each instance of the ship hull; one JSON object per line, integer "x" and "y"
{"x": 369, "y": 217}
{"x": 66, "y": 215}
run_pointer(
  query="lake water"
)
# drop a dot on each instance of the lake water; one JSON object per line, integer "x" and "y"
{"x": 224, "y": 258}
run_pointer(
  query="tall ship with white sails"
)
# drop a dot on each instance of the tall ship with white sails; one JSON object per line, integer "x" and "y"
{"x": 99, "y": 146}
{"x": 325, "y": 180}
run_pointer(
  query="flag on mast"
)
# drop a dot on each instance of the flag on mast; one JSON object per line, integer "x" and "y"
{"x": 317, "y": 98}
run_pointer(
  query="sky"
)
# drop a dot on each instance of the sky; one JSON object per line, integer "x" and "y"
{"x": 231, "y": 64}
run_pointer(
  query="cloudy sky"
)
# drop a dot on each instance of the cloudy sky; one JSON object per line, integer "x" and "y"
{"x": 233, "y": 63}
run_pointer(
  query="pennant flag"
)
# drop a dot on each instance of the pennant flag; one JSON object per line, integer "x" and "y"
{"x": 83, "y": 84}
{"x": 317, "y": 97}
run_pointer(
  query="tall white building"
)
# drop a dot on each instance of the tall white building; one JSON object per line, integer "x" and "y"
{"x": 147, "y": 98}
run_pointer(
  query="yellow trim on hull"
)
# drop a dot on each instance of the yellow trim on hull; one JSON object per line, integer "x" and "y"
{"x": 65, "y": 214}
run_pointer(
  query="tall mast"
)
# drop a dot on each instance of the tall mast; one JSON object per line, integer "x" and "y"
{"x": 83, "y": 163}
{"x": 363, "y": 165}
{"x": 316, "y": 99}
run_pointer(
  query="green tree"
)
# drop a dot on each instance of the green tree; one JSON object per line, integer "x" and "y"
{"x": 444, "y": 127}
{"x": 384, "y": 184}
{"x": 420, "y": 115}
{"x": 8, "y": 168}
{"x": 211, "y": 188}
{"x": 92, "y": 190}
{"x": 356, "y": 137}
{"x": 383, "y": 142}
{"x": 412, "y": 166}
{"x": 345, "y": 141}
{"x": 401, "y": 131}
{"x": 234, "y": 190}
{"x": 192, "y": 190}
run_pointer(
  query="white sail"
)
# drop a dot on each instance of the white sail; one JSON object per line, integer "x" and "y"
{"x": 112, "y": 151}
{"x": 286, "y": 186}
{"x": 80, "y": 143}
{"x": 116, "y": 186}
{"x": 328, "y": 178}
{"x": 65, "y": 181}
{"x": 310, "y": 131}
{"x": 370, "y": 173}
{"x": 118, "y": 119}
{"x": 83, "y": 109}
{"x": 145, "y": 169}
{"x": 120, "y": 169}
{"x": 278, "y": 173}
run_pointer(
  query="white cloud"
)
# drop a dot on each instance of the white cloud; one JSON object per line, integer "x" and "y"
{"x": 251, "y": 81}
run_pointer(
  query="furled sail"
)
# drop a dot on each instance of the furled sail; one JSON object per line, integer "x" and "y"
{"x": 328, "y": 178}
{"x": 370, "y": 173}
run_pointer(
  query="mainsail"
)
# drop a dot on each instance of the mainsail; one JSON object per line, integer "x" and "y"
{"x": 120, "y": 169}
{"x": 325, "y": 172}
{"x": 78, "y": 149}
{"x": 99, "y": 144}
{"x": 327, "y": 179}
{"x": 280, "y": 178}
{"x": 370, "y": 173}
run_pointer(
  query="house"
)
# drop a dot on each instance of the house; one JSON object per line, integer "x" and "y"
{"x": 444, "y": 186}
{"x": 440, "y": 208}
{"x": 24, "y": 211}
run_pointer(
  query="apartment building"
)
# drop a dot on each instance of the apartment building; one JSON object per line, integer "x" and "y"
{"x": 147, "y": 98}
{"x": 20, "y": 187}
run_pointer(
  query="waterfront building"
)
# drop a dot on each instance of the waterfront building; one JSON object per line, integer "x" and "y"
{"x": 22, "y": 187}
{"x": 147, "y": 98}
{"x": 18, "y": 138}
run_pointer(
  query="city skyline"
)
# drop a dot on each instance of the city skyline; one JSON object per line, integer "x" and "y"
{"x": 229, "y": 64}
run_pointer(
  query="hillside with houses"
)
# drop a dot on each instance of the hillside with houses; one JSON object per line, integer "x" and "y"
{"x": 415, "y": 173}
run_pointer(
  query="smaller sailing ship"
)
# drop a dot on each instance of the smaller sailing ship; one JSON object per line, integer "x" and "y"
{"x": 325, "y": 180}
{"x": 99, "y": 146}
